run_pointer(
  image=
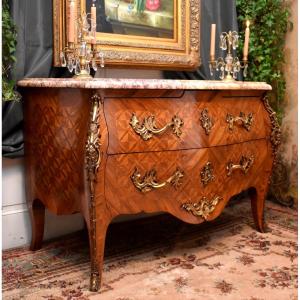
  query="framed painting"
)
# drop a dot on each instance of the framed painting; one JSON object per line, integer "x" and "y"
{"x": 161, "y": 34}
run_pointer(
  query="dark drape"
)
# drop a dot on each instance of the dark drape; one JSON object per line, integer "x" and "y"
{"x": 33, "y": 19}
{"x": 223, "y": 14}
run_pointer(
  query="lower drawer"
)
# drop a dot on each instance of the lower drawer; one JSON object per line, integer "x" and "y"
{"x": 164, "y": 181}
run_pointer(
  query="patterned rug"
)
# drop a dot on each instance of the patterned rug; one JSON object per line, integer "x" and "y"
{"x": 163, "y": 258}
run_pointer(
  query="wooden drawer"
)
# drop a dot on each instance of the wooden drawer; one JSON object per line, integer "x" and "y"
{"x": 128, "y": 190}
{"x": 186, "y": 121}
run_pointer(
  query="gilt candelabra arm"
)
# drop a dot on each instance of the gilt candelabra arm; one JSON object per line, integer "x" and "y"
{"x": 230, "y": 66}
{"x": 82, "y": 57}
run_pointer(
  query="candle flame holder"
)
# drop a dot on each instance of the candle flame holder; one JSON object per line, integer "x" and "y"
{"x": 82, "y": 57}
{"x": 230, "y": 66}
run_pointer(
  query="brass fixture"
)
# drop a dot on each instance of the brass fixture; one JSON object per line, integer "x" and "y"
{"x": 92, "y": 162}
{"x": 202, "y": 208}
{"x": 148, "y": 128}
{"x": 207, "y": 173}
{"x": 245, "y": 120}
{"x": 81, "y": 58}
{"x": 148, "y": 182}
{"x": 231, "y": 65}
{"x": 206, "y": 121}
{"x": 244, "y": 165}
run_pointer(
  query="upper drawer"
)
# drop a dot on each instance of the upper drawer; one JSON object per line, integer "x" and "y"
{"x": 195, "y": 120}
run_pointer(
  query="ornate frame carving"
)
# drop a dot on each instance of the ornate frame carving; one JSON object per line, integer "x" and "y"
{"x": 181, "y": 52}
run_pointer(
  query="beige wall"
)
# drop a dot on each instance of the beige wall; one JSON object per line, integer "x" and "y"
{"x": 290, "y": 123}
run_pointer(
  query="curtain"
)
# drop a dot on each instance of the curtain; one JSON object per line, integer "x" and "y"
{"x": 220, "y": 12}
{"x": 33, "y": 19}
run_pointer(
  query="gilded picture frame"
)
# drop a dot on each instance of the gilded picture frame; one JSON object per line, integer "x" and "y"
{"x": 178, "y": 50}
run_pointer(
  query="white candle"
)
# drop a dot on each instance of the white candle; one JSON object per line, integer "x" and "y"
{"x": 93, "y": 14}
{"x": 212, "y": 42}
{"x": 93, "y": 23}
{"x": 246, "y": 43}
{"x": 71, "y": 31}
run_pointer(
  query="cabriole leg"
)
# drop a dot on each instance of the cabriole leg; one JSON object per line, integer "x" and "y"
{"x": 257, "y": 204}
{"x": 97, "y": 256}
{"x": 37, "y": 216}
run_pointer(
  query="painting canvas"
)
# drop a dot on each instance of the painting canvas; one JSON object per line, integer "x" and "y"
{"x": 152, "y": 18}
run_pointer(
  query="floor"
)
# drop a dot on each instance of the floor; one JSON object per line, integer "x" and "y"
{"x": 163, "y": 258}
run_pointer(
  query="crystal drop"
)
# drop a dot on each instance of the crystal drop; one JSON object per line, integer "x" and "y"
{"x": 63, "y": 59}
{"x": 101, "y": 56}
{"x": 83, "y": 49}
{"x": 77, "y": 68}
{"x": 70, "y": 65}
{"x": 94, "y": 65}
{"x": 245, "y": 70}
{"x": 222, "y": 74}
{"x": 223, "y": 44}
{"x": 211, "y": 70}
{"x": 87, "y": 67}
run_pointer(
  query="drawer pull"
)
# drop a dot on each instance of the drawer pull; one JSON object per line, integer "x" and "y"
{"x": 207, "y": 173}
{"x": 206, "y": 121}
{"x": 149, "y": 181}
{"x": 245, "y": 120}
{"x": 244, "y": 165}
{"x": 202, "y": 208}
{"x": 148, "y": 128}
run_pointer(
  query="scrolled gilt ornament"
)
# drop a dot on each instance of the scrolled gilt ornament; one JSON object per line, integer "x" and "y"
{"x": 275, "y": 130}
{"x": 202, "y": 208}
{"x": 207, "y": 173}
{"x": 244, "y": 165}
{"x": 206, "y": 121}
{"x": 148, "y": 182}
{"x": 148, "y": 128}
{"x": 92, "y": 160}
{"x": 246, "y": 121}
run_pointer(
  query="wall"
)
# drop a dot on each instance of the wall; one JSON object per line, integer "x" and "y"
{"x": 16, "y": 228}
{"x": 290, "y": 122}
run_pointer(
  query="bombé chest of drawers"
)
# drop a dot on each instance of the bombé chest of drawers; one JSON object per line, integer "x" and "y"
{"x": 106, "y": 147}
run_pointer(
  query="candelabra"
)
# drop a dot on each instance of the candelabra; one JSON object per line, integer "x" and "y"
{"x": 81, "y": 57}
{"x": 231, "y": 65}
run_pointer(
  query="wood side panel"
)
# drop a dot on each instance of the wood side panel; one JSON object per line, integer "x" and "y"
{"x": 56, "y": 123}
{"x": 124, "y": 198}
{"x": 123, "y": 139}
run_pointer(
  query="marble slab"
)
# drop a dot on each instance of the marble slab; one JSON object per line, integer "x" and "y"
{"x": 112, "y": 83}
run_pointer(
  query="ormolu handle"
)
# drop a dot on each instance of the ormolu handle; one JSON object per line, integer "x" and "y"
{"x": 202, "y": 208}
{"x": 149, "y": 182}
{"x": 245, "y": 120}
{"x": 244, "y": 165}
{"x": 148, "y": 128}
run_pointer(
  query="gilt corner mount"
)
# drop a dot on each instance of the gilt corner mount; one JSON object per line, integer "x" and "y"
{"x": 157, "y": 34}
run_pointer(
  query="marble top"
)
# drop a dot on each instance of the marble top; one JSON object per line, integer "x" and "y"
{"x": 112, "y": 83}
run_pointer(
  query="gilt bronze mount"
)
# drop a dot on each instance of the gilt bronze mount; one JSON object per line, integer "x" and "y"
{"x": 93, "y": 159}
{"x": 206, "y": 174}
{"x": 246, "y": 121}
{"x": 148, "y": 182}
{"x": 244, "y": 165}
{"x": 202, "y": 208}
{"x": 148, "y": 128}
{"x": 206, "y": 121}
